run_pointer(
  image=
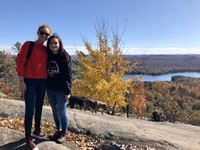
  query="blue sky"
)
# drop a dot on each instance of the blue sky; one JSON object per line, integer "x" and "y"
{"x": 151, "y": 26}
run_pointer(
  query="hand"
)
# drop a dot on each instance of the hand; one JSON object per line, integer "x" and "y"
{"x": 22, "y": 88}
{"x": 67, "y": 97}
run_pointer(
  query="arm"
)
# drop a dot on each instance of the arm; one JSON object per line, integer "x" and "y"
{"x": 68, "y": 80}
{"x": 20, "y": 61}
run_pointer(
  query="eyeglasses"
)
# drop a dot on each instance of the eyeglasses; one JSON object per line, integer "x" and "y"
{"x": 44, "y": 33}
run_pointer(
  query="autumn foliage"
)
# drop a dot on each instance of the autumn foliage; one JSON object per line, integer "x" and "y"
{"x": 5, "y": 89}
{"x": 178, "y": 100}
{"x": 102, "y": 70}
{"x": 137, "y": 99}
{"x": 8, "y": 83}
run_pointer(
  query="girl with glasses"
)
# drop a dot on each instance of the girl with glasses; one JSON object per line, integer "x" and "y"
{"x": 32, "y": 79}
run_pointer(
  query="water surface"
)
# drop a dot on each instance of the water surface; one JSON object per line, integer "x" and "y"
{"x": 165, "y": 77}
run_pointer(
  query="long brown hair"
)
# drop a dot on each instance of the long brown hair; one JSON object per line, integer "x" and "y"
{"x": 61, "y": 51}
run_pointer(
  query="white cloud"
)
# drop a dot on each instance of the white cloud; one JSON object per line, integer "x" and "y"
{"x": 4, "y": 47}
{"x": 144, "y": 51}
{"x": 132, "y": 50}
{"x": 72, "y": 49}
{"x": 164, "y": 50}
{"x": 171, "y": 44}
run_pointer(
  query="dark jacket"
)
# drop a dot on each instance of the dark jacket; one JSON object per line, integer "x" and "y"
{"x": 59, "y": 73}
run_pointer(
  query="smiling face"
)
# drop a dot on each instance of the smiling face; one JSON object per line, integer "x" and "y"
{"x": 54, "y": 45}
{"x": 43, "y": 34}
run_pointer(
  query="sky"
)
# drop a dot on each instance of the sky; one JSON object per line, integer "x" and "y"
{"x": 147, "y": 26}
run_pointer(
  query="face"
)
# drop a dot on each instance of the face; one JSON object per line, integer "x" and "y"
{"x": 43, "y": 34}
{"x": 54, "y": 45}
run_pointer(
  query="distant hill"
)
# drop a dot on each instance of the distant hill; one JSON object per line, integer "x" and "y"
{"x": 162, "y": 64}
{"x": 74, "y": 57}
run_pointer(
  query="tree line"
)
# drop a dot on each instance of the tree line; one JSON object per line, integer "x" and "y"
{"x": 163, "y": 64}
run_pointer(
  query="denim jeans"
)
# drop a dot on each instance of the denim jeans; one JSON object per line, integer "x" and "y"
{"x": 34, "y": 98}
{"x": 59, "y": 108}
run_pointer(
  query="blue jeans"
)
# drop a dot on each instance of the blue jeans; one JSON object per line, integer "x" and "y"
{"x": 34, "y": 98}
{"x": 59, "y": 108}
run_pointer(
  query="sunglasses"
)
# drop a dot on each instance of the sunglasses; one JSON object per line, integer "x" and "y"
{"x": 44, "y": 33}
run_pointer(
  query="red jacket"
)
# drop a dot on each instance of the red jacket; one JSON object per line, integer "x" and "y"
{"x": 36, "y": 67}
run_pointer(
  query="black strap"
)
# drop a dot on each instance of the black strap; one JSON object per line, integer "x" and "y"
{"x": 30, "y": 49}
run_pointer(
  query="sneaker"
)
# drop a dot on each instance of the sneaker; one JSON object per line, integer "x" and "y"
{"x": 55, "y": 136}
{"x": 39, "y": 135}
{"x": 61, "y": 137}
{"x": 31, "y": 145}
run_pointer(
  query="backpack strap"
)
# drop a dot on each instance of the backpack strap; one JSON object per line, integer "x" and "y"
{"x": 30, "y": 49}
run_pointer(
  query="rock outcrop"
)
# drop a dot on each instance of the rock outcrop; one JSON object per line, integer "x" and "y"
{"x": 2, "y": 95}
{"x": 161, "y": 135}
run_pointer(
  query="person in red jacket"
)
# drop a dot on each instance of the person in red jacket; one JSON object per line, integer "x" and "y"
{"x": 32, "y": 77}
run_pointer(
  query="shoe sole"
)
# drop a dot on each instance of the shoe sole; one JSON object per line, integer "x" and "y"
{"x": 59, "y": 142}
{"x": 40, "y": 137}
{"x": 51, "y": 139}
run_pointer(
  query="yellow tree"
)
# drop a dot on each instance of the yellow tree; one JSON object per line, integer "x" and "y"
{"x": 103, "y": 70}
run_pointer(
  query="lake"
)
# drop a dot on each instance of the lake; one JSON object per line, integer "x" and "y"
{"x": 165, "y": 77}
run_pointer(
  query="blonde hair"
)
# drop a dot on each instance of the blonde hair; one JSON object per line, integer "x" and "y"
{"x": 44, "y": 26}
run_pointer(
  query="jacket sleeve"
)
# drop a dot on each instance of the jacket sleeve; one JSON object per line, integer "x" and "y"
{"x": 21, "y": 59}
{"x": 68, "y": 78}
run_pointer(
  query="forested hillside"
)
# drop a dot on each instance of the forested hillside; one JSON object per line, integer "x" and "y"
{"x": 179, "y": 100}
{"x": 161, "y": 64}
